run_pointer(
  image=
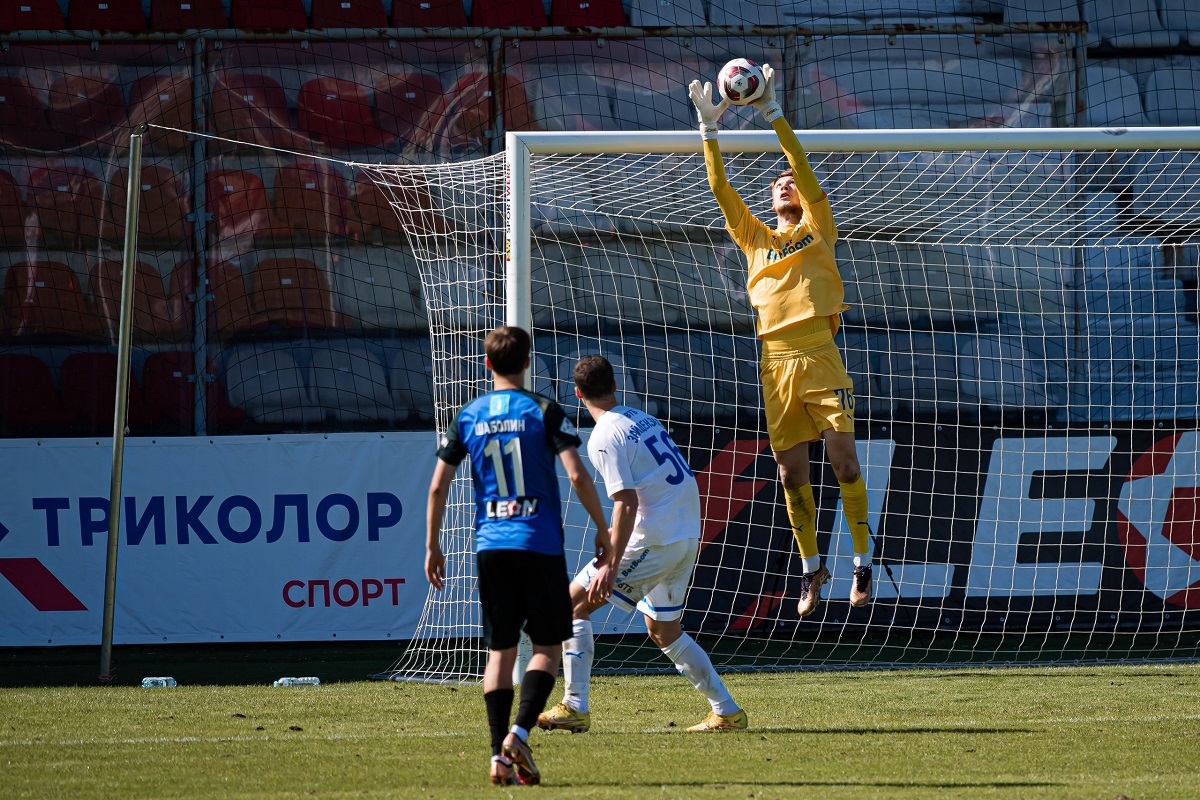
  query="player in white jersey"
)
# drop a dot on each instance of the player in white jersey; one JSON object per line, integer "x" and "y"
{"x": 655, "y": 533}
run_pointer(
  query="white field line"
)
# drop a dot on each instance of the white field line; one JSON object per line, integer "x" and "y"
{"x": 965, "y": 725}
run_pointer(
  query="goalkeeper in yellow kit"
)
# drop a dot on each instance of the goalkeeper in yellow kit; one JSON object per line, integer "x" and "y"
{"x": 795, "y": 287}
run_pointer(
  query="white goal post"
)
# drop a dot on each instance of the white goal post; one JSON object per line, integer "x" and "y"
{"x": 1023, "y": 340}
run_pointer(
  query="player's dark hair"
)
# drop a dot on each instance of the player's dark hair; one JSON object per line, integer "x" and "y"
{"x": 787, "y": 173}
{"x": 594, "y": 377}
{"x": 507, "y": 348}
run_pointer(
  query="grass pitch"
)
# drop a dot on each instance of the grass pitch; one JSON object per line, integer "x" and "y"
{"x": 1083, "y": 732}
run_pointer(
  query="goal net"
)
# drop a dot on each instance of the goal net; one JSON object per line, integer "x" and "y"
{"x": 1023, "y": 341}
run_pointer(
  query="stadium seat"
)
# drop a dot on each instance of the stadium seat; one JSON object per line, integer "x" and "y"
{"x": 1173, "y": 95}
{"x": 86, "y": 108}
{"x": 89, "y": 387}
{"x": 587, "y": 13}
{"x": 169, "y": 386}
{"x": 1182, "y": 17}
{"x": 23, "y": 120}
{"x": 508, "y": 14}
{"x": 1126, "y": 24}
{"x": 428, "y": 14}
{"x": 292, "y": 293}
{"x": 276, "y": 15}
{"x": 556, "y": 305}
{"x": 267, "y": 384}
{"x": 163, "y": 207}
{"x": 1041, "y": 11}
{"x": 745, "y": 14}
{"x": 1001, "y": 372}
{"x": 570, "y": 101}
{"x": 920, "y": 373}
{"x": 337, "y": 112}
{"x": 373, "y": 210}
{"x": 69, "y": 202}
{"x": 1113, "y": 98}
{"x": 154, "y": 320}
{"x": 459, "y": 122}
{"x": 183, "y": 15}
{"x": 44, "y": 299}
{"x": 106, "y": 15}
{"x": 252, "y": 107}
{"x": 310, "y": 198}
{"x": 671, "y": 13}
{"x": 32, "y": 15}
{"x": 674, "y": 373}
{"x": 380, "y": 288}
{"x": 230, "y": 313}
{"x": 403, "y": 99}
{"x": 410, "y": 375}
{"x": 240, "y": 207}
{"x": 711, "y": 285}
{"x": 29, "y": 402}
{"x": 163, "y": 99}
{"x": 348, "y": 14}
{"x": 12, "y": 211}
{"x": 350, "y": 383}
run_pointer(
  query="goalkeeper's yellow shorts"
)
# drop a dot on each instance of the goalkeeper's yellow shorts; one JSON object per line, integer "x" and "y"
{"x": 806, "y": 389}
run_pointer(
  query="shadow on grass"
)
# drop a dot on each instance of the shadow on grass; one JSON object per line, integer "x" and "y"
{"x": 830, "y": 784}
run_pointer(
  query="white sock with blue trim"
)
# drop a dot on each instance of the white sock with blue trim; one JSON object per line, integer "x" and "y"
{"x": 577, "y": 664}
{"x": 695, "y": 665}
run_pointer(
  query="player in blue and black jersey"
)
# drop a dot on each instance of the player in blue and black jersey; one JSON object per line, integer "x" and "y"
{"x": 512, "y": 437}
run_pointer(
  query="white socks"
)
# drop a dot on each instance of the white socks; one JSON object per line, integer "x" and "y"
{"x": 862, "y": 559}
{"x": 811, "y": 564}
{"x": 694, "y": 664}
{"x": 577, "y": 664}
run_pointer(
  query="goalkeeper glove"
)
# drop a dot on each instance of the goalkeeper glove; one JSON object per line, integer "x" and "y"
{"x": 708, "y": 111}
{"x": 767, "y": 104}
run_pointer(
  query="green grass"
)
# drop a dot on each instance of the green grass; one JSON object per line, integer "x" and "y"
{"x": 1082, "y": 732}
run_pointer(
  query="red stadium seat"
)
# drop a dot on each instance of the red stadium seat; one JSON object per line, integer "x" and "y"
{"x": 229, "y": 314}
{"x": 169, "y": 384}
{"x": 374, "y": 210}
{"x": 162, "y": 209}
{"x": 69, "y": 202}
{"x": 44, "y": 299}
{"x": 86, "y": 108}
{"x": 459, "y": 121}
{"x": 587, "y": 13}
{"x": 239, "y": 204}
{"x": 89, "y": 392}
{"x": 163, "y": 99}
{"x": 153, "y": 322}
{"x": 106, "y": 15}
{"x": 428, "y": 14}
{"x": 12, "y": 211}
{"x": 31, "y": 15}
{"x": 182, "y": 15}
{"x": 28, "y": 400}
{"x": 292, "y": 293}
{"x": 348, "y": 14}
{"x": 23, "y": 120}
{"x": 276, "y": 15}
{"x": 310, "y": 198}
{"x": 508, "y": 14}
{"x": 402, "y": 100}
{"x": 338, "y": 113}
{"x": 251, "y": 107}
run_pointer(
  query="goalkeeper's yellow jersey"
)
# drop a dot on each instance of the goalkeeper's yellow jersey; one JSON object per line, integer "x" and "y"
{"x": 792, "y": 273}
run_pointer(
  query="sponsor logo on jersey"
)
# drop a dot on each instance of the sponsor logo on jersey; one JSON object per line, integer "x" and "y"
{"x": 788, "y": 249}
{"x": 513, "y": 508}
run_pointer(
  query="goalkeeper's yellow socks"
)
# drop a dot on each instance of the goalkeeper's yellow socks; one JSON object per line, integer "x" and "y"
{"x": 802, "y": 513}
{"x": 854, "y": 506}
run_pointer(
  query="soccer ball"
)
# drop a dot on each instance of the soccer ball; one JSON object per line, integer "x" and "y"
{"x": 741, "y": 82}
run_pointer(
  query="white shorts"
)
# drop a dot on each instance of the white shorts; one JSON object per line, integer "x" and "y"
{"x": 652, "y": 579}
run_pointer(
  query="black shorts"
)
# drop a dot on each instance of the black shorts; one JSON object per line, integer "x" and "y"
{"x": 520, "y": 589}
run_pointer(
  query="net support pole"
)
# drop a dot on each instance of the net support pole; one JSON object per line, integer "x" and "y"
{"x": 124, "y": 335}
